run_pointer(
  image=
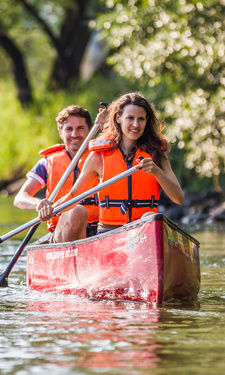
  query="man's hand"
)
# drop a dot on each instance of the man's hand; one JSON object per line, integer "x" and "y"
{"x": 101, "y": 117}
{"x": 44, "y": 209}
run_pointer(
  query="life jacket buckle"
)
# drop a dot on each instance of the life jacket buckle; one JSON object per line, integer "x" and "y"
{"x": 128, "y": 204}
{"x": 123, "y": 208}
{"x": 107, "y": 201}
{"x": 152, "y": 201}
{"x": 96, "y": 200}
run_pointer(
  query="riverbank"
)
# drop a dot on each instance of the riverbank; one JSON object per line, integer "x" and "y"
{"x": 206, "y": 207}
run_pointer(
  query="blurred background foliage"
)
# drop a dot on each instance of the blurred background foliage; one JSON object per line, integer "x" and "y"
{"x": 54, "y": 53}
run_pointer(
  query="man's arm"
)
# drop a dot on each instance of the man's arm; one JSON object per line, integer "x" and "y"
{"x": 36, "y": 180}
{"x": 25, "y": 197}
{"x": 90, "y": 174}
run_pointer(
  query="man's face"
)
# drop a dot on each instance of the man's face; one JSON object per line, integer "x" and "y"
{"x": 73, "y": 133}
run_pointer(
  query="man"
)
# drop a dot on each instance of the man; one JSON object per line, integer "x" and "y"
{"x": 74, "y": 123}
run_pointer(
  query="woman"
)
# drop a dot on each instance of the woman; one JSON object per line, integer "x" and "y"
{"x": 130, "y": 136}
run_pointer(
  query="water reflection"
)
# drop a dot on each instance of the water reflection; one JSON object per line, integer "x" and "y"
{"x": 84, "y": 334}
{"x": 102, "y": 333}
{"x": 47, "y": 332}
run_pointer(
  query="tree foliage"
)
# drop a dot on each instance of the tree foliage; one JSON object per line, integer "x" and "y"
{"x": 58, "y": 31}
{"x": 175, "y": 49}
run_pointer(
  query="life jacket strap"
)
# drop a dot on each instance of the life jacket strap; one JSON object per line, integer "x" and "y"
{"x": 126, "y": 204}
{"x": 90, "y": 201}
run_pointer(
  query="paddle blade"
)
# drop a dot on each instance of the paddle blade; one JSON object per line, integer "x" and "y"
{"x": 4, "y": 280}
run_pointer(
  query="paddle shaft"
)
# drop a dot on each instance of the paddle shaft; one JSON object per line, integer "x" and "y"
{"x": 72, "y": 201}
{"x": 5, "y": 274}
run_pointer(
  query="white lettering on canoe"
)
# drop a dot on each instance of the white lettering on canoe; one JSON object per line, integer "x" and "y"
{"x": 143, "y": 238}
{"x": 133, "y": 238}
{"x": 67, "y": 253}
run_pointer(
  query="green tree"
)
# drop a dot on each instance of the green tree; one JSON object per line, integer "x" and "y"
{"x": 58, "y": 31}
{"x": 174, "y": 50}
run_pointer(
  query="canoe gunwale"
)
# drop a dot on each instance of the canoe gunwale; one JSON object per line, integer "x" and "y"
{"x": 128, "y": 226}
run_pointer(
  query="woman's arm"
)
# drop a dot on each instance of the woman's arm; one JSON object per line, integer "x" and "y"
{"x": 90, "y": 174}
{"x": 165, "y": 177}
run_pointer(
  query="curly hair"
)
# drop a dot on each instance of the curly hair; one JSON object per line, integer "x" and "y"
{"x": 151, "y": 140}
{"x": 73, "y": 110}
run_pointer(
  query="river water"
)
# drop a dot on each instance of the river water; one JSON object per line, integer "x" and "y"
{"x": 43, "y": 333}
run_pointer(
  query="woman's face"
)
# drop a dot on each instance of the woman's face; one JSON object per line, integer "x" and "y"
{"x": 132, "y": 122}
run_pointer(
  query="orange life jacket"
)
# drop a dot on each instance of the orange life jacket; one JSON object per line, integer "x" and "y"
{"x": 58, "y": 162}
{"x": 126, "y": 200}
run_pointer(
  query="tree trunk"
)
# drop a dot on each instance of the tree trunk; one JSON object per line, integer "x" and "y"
{"x": 66, "y": 68}
{"x": 19, "y": 69}
{"x": 74, "y": 37}
{"x": 70, "y": 46}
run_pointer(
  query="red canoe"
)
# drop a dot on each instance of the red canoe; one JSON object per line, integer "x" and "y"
{"x": 149, "y": 260}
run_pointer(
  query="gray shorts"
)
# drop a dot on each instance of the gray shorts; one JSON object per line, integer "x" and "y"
{"x": 51, "y": 238}
{"x": 91, "y": 231}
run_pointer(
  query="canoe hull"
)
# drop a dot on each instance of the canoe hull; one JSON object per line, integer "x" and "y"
{"x": 150, "y": 260}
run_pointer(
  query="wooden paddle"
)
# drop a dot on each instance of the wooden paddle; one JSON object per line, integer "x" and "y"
{"x": 35, "y": 223}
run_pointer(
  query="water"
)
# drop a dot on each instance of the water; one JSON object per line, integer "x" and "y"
{"x": 43, "y": 333}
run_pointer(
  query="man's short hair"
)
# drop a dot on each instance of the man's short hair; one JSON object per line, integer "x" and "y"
{"x": 73, "y": 110}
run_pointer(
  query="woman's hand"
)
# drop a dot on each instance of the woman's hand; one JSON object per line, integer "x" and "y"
{"x": 165, "y": 177}
{"x": 148, "y": 165}
{"x": 44, "y": 209}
